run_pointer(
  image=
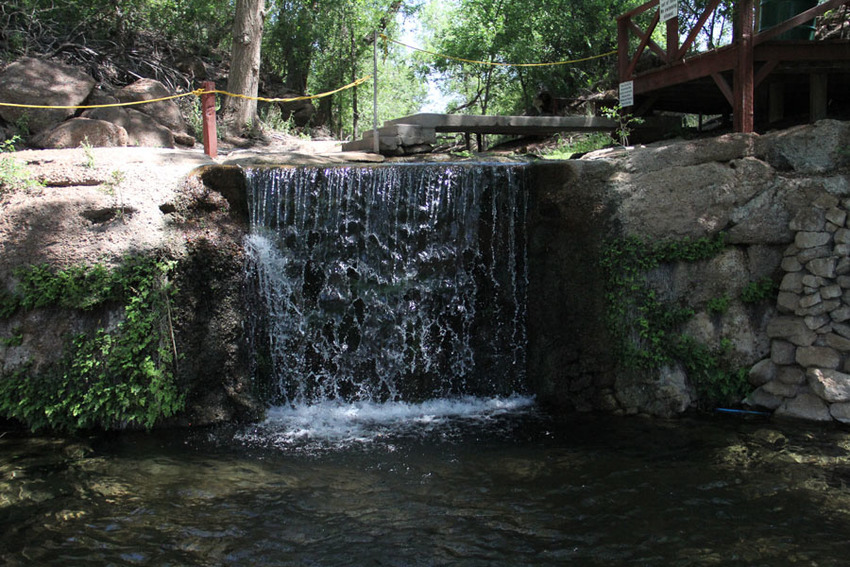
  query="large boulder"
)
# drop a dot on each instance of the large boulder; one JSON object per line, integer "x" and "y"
{"x": 73, "y": 133}
{"x": 810, "y": 148}
{"x": 46, "y": 83}
{"x": 686, "y": 153}
{"x": 142, "y": 129}
{"x": 299, "y": 111}
{"x": 663, "y": 394}
{"x": 166, "y": 112}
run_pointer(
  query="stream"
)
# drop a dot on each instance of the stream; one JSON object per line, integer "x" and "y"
{"x": 475, "y": 482}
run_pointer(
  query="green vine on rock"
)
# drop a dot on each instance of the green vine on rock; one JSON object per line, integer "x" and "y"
{"x": 645, "y": 329}
{"x": 107, "y": 378}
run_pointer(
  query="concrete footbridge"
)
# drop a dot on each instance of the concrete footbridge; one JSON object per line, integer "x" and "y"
{"x": 418, "y": 133}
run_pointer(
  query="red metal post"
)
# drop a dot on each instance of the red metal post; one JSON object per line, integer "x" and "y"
{"x": 744, "y": 82}
{"x": 208, "y": 115}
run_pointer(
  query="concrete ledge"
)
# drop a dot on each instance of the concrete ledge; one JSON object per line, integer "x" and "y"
{"x": 520, "y": 125}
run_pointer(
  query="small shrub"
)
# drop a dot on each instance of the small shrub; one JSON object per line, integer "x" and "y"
{"x": 625, "y": 123}
{"x": 88, "y": 152}
{"x": 568, "y": 147}
{"x": 760, "y": 290}
{"x": 718, "y": 305}
{"x": 106, "y": 378}
{"x": 13, "y": 175}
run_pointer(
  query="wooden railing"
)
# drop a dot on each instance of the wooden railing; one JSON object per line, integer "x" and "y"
{"x": 739, "y": 59}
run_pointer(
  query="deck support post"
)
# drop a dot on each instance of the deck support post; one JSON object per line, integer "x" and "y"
{"x": 744, "y": 83}
{"x": 775, "y": 102}
{"x": 817, "y": 96}
{"x": 623, "y": 49}
{"x": 672, "y": 39}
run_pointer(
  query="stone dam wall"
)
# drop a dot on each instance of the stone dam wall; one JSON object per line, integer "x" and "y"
{"x": 768, "y": 306}
{"x": 777, "y": 204}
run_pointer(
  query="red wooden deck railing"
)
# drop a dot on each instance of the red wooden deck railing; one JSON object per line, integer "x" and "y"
{"x": 677, "y": 67}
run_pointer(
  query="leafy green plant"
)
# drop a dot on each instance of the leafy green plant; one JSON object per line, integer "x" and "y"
{"x": 9, "y": 303}
{"x": 271, "y": 118}
{"x": 718, "y": 305}
{"x": 572, "y": 145}
{"x": 625, "y": 122}
{"x": 645, "y": 329}
{"x": 107, "y": 378}
{"x": 16, "y": 339}
{"x": 112, "y": 187}
{"x": 22, "y": 125}
{"x": 10, "y": 145}
{"x": 13, "y": 175}
{"x": 760, "y": 290}
{"x": 713, "y": 380}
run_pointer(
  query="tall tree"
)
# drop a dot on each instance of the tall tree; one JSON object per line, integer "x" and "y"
{"x": 520, "y": 31}
{"x": 320, "y": 45}
{"x": 244, "y": 77}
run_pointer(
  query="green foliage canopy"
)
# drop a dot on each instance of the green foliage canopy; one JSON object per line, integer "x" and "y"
{"x": 522, "y": 31}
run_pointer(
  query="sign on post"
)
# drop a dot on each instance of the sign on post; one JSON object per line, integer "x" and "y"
{"x": 627, "y": 94}
{"x": 669, "y": 9}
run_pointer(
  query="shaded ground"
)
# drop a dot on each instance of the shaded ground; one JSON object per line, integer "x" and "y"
{"x": 97, "y": 204}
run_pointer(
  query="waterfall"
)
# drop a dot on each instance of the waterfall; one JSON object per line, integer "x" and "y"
{"x": 388, "y": 283}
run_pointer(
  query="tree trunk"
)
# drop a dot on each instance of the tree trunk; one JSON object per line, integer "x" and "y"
{"x": 240, "y": 114}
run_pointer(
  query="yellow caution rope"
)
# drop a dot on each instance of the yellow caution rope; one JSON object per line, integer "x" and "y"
{"x": 497, "y": 63}
{"x": 111, "y": 105}
{"x": 292, "y": 99}
{"x": 196, "y": 92}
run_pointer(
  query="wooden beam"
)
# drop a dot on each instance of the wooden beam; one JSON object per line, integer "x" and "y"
{"x": 697, "y": 28}
{"x": 817, "y": 96}
{"x": 672, "y": 39}
{"x": 724, "y": 88}
{"x": 765, "y": 70}
{"x": 649, "y": 43}
{"x": 623, "y": 49}
{"x": 821, "y": 51}
{"x": 639, "y": 10}
{"x": 693, "y": 68}
{"x": 797, "y": 20}
{"x": 643, "y": 43}
{"x": 208, "y": 125}
{"x": 744, "y": 80}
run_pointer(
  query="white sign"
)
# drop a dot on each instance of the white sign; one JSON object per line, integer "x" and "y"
{"x": 627, "y": 94}
{"x": 669, "y": 9}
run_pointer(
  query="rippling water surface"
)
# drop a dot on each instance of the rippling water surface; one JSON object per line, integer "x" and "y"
{"x": 497, "y": 484}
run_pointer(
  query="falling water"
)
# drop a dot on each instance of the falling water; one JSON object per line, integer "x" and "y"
{"x": 388, "y": 284}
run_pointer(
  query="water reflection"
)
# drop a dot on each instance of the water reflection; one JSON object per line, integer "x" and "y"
{"x": 512, "y": 490}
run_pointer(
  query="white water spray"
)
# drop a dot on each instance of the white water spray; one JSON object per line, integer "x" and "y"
{"x": 387, "y": 285}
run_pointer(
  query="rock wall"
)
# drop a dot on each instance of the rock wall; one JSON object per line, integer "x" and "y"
{"x": 165, "y": 204}
{"x": 805, "y": 375}
{"x": 781, "y": 199}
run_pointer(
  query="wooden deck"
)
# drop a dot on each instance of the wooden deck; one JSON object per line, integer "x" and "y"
{"x": 759, "y": 78}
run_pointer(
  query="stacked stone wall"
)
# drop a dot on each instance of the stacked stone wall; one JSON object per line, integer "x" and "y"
{"x": 807, "y": 375}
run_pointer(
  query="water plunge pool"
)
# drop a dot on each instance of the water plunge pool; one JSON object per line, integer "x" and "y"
{"x": 505, "y": 486}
